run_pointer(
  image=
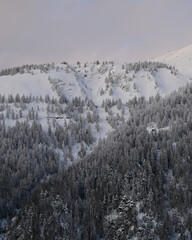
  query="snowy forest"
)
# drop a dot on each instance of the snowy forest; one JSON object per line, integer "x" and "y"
{"x": 136, "y": 184}
{"x": 95, "y": 120}
{"x": 105, "y": 154}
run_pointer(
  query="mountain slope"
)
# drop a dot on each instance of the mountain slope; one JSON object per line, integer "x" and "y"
{"x": 60, "y": 94}
{"x": 62, "y": 111}
{"x": 181, "y": 59}
{"x": 103, "y": 90}
{"x": 93, "y": 80}
{"x": 135, "y": 185}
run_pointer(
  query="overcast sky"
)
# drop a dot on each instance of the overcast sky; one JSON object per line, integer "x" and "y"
{"x": 38, "y": 31}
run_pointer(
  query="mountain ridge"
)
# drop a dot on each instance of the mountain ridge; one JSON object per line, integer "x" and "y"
{"x": 106, "y": 87}
{"x": 53, "y": 115}
{"x": 181, "y": 59}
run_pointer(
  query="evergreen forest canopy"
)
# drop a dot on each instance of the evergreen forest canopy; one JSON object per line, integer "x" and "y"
{"x": 136, "y": 184}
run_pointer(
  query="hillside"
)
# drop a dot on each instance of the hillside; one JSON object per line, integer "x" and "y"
{"x": 135, "y": 185}
{"x": 181, "y": 59}
{"x": 54, "y": 115}
{"x": 60, "y": 94}
{"x": 94, "y": 80}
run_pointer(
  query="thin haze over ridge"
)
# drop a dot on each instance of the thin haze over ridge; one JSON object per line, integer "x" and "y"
{"x": 86, "y": 30}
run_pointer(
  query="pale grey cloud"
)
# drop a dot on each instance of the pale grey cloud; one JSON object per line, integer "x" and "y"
{"x": 34, "y": 31}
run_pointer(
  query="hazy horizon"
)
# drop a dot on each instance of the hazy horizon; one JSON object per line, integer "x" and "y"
{"x": 87, "y": 30}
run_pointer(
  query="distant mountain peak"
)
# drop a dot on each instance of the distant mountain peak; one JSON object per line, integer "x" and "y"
{"x": 181, "y": 59}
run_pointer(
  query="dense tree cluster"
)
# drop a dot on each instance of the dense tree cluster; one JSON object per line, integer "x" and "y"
{"x": 70, "y": 122}
{"x": 101, "y": 68}
{"x": 26, "y": 158}
{"x": 148, "y": 66}
{"x": 29, "y": 152}
{"x": 27, "y": 69}
{"x": 136, "y": 184}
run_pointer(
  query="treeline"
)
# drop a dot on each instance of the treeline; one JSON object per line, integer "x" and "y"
{"x": 45, "y": 68}
{"x": 137, "y": 184}
{"x": 148, "y": 66}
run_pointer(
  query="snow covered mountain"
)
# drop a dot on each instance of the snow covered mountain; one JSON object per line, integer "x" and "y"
{"x": 181, "y": 59}
{"x": 136, "y": 184}
{"x": 98, "y": 81}
{"x": 95, "y": 93}
{"x": 52, "y": 115}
